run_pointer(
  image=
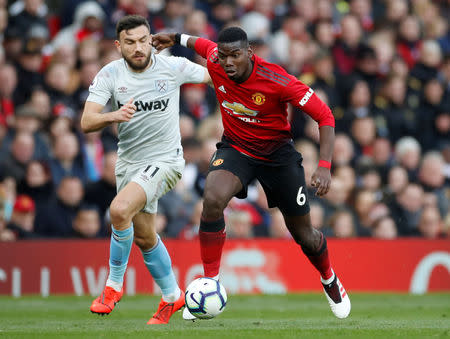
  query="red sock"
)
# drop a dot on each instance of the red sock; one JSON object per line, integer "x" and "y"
{"x": 320, "y": 260}
{"x": 211, "y": 244}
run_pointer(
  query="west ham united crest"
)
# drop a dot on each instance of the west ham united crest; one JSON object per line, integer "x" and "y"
{"x": 162, "y": 85}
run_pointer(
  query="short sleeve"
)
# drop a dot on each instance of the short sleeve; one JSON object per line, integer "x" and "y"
{"x": 189, "y": 72}
{"x": 101, "y": 88}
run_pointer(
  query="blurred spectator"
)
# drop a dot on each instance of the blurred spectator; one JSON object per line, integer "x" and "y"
{"x": 317, "y": 214}
{"x": 397, "y": 180}
{"x": 87, "y": 24}
{"x": 278, "y": 229}
{"x": 324, "y": 34}
{"x": 194, "y": 102}
{"x": 21, "y": 153}
{"x": 336, "y": 197}
{"x": 196, "y": 24}
{"x": 28, "y": 17}
{"x": 408, "y": 44}
{"x": 344, "y": 151}
{"x": 88, "y": 70}
{"x": 57, "y": 83}
{"x": 384, "y": 228}
{"x": 427, "y": 66}
{"x": 40, "y": 103}
{"x": 56, "y": 217}
{"x": 406, "y": 209}
{"x": 364, "y": 201}
{"x": 190, "y": 231}
{"x": 430, "y": 224}
{"x": 5, "y": 234}
{"x": 66, "y": 159}
{"x": 171, "y": 17}
{"x": 408, "y": 153}
{"x": 293, "y": 28}
{"x": 178, "y": 206}
{"x": 102, "y": 192}
{"x": 22, "y": 219}
{"x": 346, "y": 49}
{"x": 8, "y": 84}
{"x": 310, "y": 155}
{"x": 363, "y": 131}
{"x": 382, "y": 156}
{"x": 92, "y": 153}
{"x": 395, "y": 118}
{"x": 432, "y": 105}
{"x": 37, "y": 183}
{"x": 28, "y": 71}
{"x": 431, "y": 176}
{"x": 207, "y": 150}
{"x": 359, "y": 106}
{"x": 347, "y": 175}
{"x": 86, "y": 223}
{"x": 342, "y": 224}
{"x": 239, "y": 224}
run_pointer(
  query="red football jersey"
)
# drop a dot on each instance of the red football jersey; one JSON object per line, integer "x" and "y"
{"x": 254, "y": 113}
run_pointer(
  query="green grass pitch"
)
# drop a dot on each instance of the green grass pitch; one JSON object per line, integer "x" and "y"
{"x": 261, "y": 316}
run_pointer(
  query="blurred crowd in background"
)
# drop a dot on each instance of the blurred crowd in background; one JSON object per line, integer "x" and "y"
{"x": 383, "y": 66}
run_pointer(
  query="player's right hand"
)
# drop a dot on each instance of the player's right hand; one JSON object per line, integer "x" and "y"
{"x": 163, "y": 40}
{"x": 125, "y": 113}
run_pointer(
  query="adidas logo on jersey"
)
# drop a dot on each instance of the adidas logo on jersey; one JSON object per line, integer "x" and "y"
{"x": 221, "y": 88}
{"x": 149, "y": 105}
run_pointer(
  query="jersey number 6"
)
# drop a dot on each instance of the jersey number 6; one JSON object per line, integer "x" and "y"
{"x": 301, "y": 197}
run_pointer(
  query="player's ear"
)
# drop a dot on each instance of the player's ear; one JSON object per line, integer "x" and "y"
{"x": 250, "y": 51}
{"x": 117, "y": 44}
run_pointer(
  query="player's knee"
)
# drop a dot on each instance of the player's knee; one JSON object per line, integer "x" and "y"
{"x": 213, "y": 203}
{"x": 120, "y": 214}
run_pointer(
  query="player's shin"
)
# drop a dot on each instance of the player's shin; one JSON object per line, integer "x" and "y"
{"x": 212, "y": 238}
{"x": 320, "y": 259}
{"x": 119, "y": 252}
{"x": 159, "y": 264}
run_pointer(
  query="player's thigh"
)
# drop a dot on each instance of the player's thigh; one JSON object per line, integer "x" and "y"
{"x": 285, "y": 188}
{"x": 130, "y": 199}
{"x": 156, "y": 179}
{"x": 230, "y": 172}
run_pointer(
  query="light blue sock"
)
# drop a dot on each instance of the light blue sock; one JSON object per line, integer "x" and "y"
{"x": 158, "y": 262}
{"x": 119, "y": 252}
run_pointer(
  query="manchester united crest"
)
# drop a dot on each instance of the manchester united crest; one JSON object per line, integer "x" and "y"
{"x": 218, "y": 162}
{"x": 258, "y": 98}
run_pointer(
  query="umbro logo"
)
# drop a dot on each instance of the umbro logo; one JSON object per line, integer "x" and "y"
{"x": 221, "y": 88}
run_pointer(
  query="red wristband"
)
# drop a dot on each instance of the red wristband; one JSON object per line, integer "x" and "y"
{"x": 324, "y": 163}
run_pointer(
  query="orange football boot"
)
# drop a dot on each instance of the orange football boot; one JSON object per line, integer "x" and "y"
{"x": 165, "y": 311}
{"x": 105, "y": 303}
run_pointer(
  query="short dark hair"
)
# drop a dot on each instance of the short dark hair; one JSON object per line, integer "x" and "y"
{"x": 232, "y": 34}
{"x": 130, "y": 22}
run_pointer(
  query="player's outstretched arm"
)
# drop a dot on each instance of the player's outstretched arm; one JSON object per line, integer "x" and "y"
{"x": 93, "y": 119}
{"x": 165, "y": 40}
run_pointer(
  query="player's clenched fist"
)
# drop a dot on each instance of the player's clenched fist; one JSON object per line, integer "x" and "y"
{"x": 163, "y": 40}
{"x": 125, "y": 113}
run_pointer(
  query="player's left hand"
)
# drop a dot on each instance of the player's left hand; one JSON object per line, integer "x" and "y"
{"x": 321, "y": 179}
{"x": 163, "y": 40}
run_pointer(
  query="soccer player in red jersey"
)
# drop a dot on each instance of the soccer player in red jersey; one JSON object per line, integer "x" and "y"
{"x": 253, "y": 95}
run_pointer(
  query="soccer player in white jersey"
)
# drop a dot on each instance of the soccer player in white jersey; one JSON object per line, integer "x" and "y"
{"x": 144, "y": 89}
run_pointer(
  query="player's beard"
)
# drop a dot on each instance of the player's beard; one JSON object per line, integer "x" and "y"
{"x": 137, "y": 66}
